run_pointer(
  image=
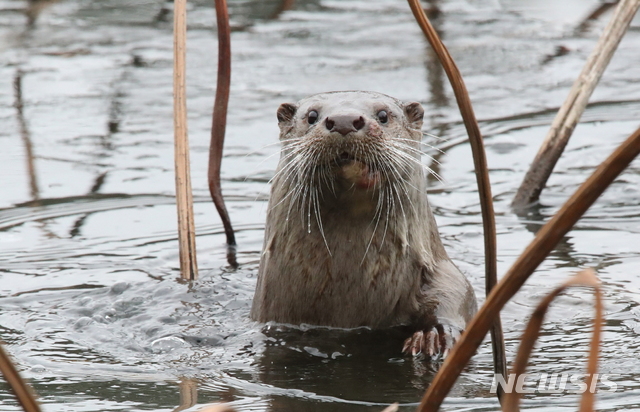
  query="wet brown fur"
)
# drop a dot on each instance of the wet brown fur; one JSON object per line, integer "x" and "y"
{"x": 337, "y": 254}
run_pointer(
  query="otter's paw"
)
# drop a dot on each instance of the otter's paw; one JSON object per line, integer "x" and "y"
{"x": 435, "y": 343}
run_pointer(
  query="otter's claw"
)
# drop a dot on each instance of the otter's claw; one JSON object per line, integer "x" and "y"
{"x": 435, "y": 343}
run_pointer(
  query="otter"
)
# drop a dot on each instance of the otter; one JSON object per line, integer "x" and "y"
{"x": 350, "y": 238}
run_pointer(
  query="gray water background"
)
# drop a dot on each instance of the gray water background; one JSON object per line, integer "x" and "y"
{"x": 90, "y": 305}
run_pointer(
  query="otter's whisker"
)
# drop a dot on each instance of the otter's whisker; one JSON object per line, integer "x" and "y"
{"x": 289, "y": 169}
{"x": 375, "y": 228}
{"x": 308, "y": 173}
{"x": 292, "y": 176}
{"x": 406, "y": 158}
{"x": 319, "y": 220}
{"x": 421, "y": 143}
{"x": 289, "y": 166}
{"x": 408, "y": 148}
{"x": 444, "y": 139}
{"x": 394, "y": 189}
{"x": 393, "y": 168}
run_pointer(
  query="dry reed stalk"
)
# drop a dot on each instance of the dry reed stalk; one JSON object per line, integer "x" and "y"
{"x": 19, "y": 387}
{"x": 219, "y": 121}
{"x": 482, "y": 175}
{"x": 184, "y": 198}
{"x": 587, "y": 278}
{"x": 573, "y": 107}
{"x": 544, "y": 242}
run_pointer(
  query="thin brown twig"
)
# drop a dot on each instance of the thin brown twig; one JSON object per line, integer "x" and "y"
{"x": 482, "y": 175}
{"x": 544, "y": 242}
{"x": 23, "y": 392}
{"x": 585, "y": 277}
{"x": 219, "y": 123}
{"x": 184, "y": 197}
{"x": 573, "y": 107}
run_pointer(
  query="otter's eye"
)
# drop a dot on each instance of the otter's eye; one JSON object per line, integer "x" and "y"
{"x": 312, "y": 117}
{"x": 383, "y": 116}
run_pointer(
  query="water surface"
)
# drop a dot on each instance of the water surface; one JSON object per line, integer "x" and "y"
{"x": 90, "y": 305}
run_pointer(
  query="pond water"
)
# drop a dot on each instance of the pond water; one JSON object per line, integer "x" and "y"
{"x": 90, "y": 305}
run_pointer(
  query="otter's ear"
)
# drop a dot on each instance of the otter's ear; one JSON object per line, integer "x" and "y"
{"x": 415, "y": 114}
{"x": 286, "y": 111}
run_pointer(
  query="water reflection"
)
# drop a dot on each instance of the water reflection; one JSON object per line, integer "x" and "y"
{"x": 34, "y": 188}
{"x": 436, "y": 78}
{"x": 26, "y": 137}
{"x": 597, "y": 13}
{"x": 347, "y": 365}
{"x": 188, "y": 394}
{"x": 34, "y": 8}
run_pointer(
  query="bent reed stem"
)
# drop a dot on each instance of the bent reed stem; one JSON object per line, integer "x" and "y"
{"x": 482, "y": 176}
{"x": 21, "y": 390}
{"x": 219, "y": 124}
{"x": 586, "y": 278}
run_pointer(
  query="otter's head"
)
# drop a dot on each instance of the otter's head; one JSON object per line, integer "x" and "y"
{"x": 353, "y": 140}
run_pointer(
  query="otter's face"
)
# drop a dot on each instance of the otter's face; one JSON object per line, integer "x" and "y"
{"x": 359, "y": 139}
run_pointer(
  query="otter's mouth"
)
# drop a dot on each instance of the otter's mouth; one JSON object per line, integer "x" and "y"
{"x": 357, "y": 172}
{"x": 345, "y": 158}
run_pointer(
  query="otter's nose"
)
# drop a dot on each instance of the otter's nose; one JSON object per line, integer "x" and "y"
{"x": 344, "y": 124}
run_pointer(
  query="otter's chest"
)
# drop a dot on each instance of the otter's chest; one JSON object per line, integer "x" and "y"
{"x": 346, "y": 276}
